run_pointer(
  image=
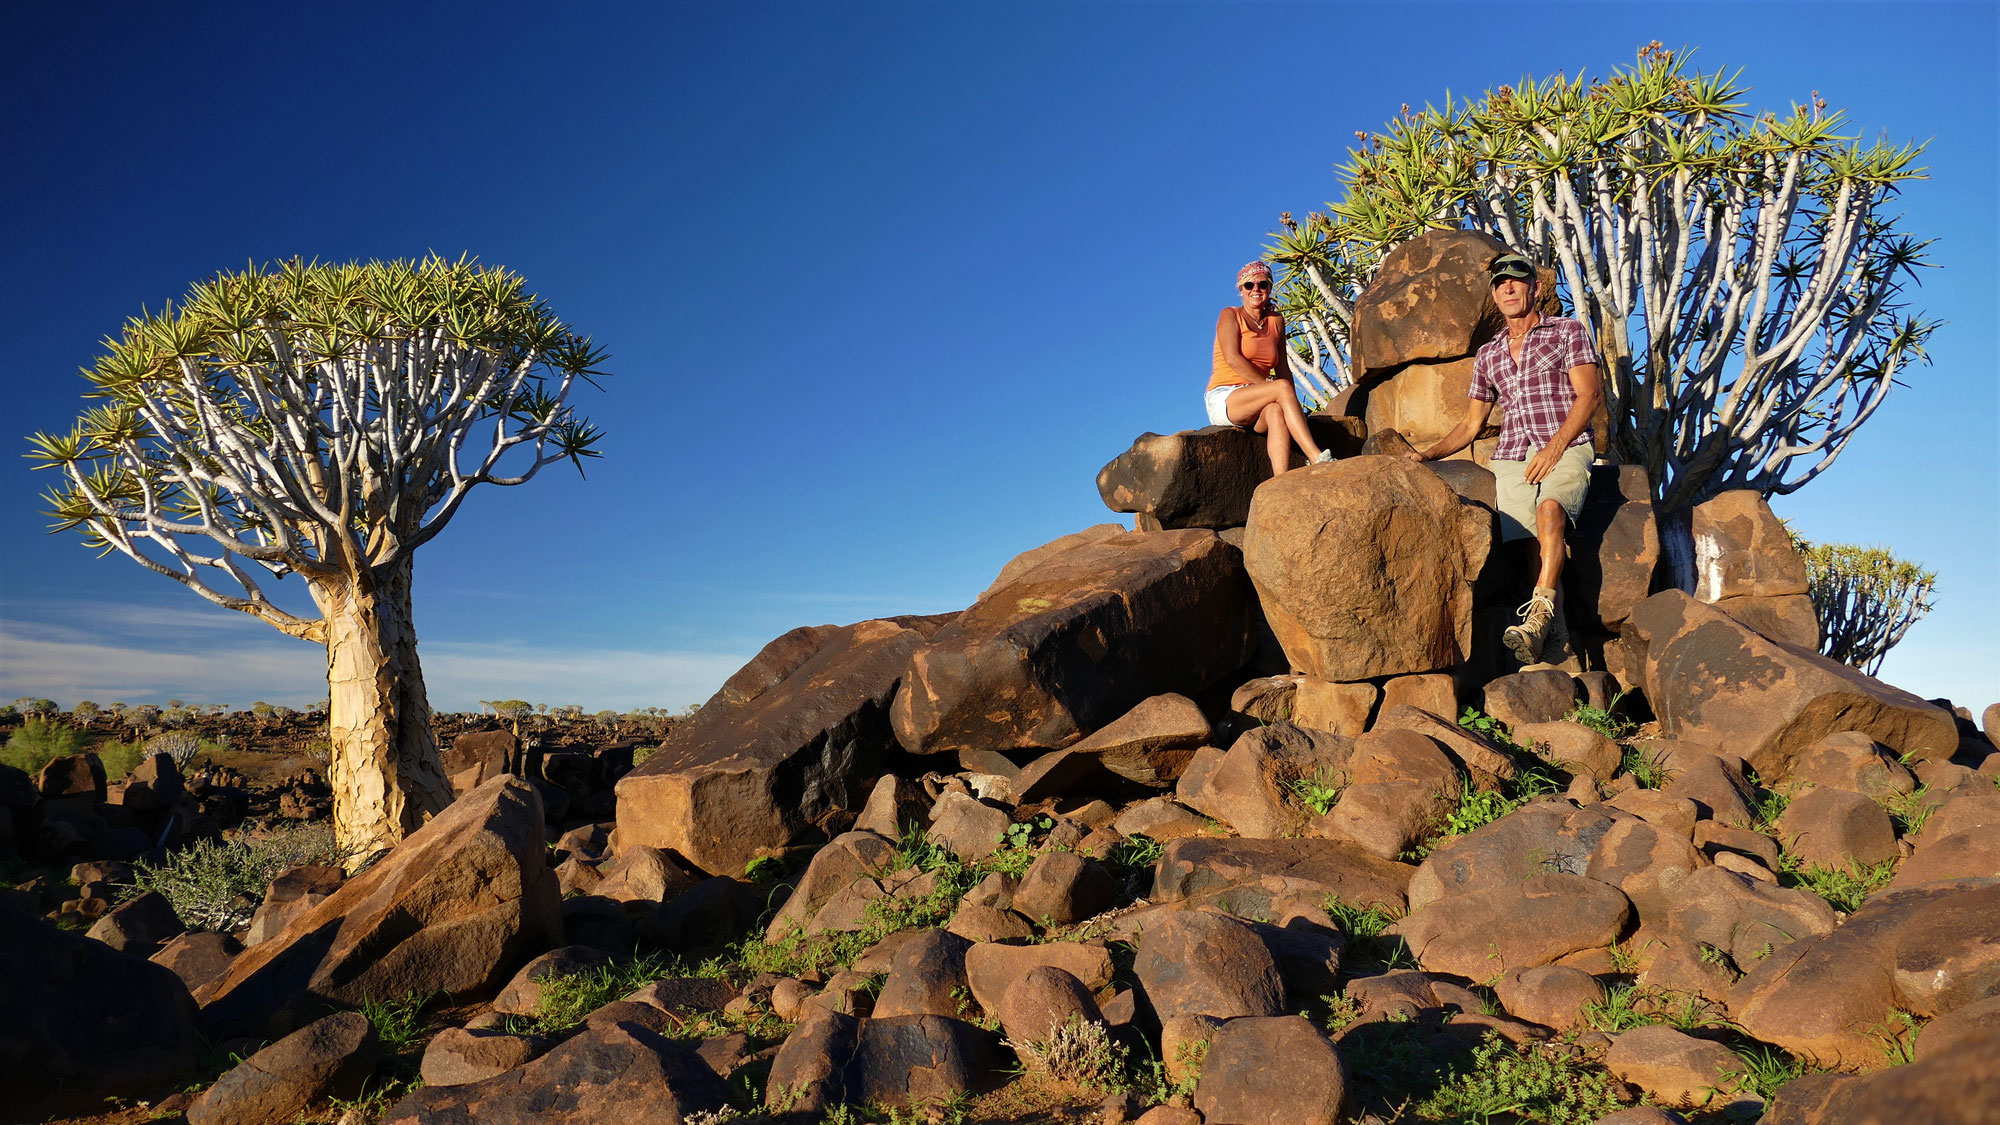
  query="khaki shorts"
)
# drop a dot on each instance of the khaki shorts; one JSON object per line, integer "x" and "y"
{"x": 1517, "y": 499}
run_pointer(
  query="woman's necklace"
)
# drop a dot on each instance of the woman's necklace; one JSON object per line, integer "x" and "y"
{"x": 1256, "y": 329}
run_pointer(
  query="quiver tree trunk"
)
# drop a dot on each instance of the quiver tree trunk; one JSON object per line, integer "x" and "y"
{"x": 384, "y": 770}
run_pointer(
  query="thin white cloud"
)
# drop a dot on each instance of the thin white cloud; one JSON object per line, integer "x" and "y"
{"x": 68, "y": 662}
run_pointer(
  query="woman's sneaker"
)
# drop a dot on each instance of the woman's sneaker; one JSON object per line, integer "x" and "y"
{"x": 1325, "y": 455}
{"x": 1525, "y": 640}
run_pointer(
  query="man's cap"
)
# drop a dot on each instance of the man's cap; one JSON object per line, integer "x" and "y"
{"x": 1510, "y": 265}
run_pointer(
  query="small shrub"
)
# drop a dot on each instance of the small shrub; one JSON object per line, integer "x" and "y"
{"x": 40, "y": 742}
{"x": 1080, "y": 1053}
{"x": 1649, "y": 770}
{"x": 217, "y": 885}
{"x": 1910, "y": 810}
{"x": 1320, "y": 791}
{"x": 399, "y": 1024}
{"x": 181, "y": 746}
{"x": 1603, "y": 720}
{"x": 1766, "y": 1070}
{"x": 1897, "y": 1036}
{"x": 120, "y": 758}
{"x": 1529, "y": 1085}
{"x": 1865, "y": 599}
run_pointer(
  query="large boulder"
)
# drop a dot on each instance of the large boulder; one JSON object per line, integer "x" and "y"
{"x": 1364, "y": 567}
{"x": 1714, "y": 681}
{"x": 455, "y": 908}
{"x": 612, "y": 1073}
{"x": 478, "y": 756}
{"x": 897, "y": 1061}
{"x": 1483, "y": 933}
{"x": 1078, "y": 641}
{"x": 801, "y": 730}
{"x": 1205, "y": 477}
{"x": 1250, "y": 787}
{"x": 1271, "y": 1070}
{"x": 1927, "y": 950}
{"x": 1546, "y": 836}
{"x": 80, "y": 1021}
{"x": 1151, "y": 743}
{"x": 1197, "y": 963}
{"x": 1430, "y": 300}
{"x": 1959, "y": 1085}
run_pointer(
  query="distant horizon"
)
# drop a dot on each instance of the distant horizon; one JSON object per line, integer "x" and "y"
{"x": 883, "y": 285}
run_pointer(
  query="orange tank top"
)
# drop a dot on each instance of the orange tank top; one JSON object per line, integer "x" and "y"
{"x": 1260, "y": 348}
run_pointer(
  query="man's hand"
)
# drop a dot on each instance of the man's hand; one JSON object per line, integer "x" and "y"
{"x": 1543, "y": 464}
{"x": 1414, "y": 455}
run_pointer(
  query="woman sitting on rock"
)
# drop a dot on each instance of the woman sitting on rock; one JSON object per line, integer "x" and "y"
{"x": 1252, "y": 383}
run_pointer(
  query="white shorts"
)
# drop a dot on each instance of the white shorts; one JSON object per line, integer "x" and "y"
{"x": 1218, "y": 413}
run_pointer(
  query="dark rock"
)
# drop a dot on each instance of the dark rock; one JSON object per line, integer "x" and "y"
{"x": 1206, "y": 477}
{"x": 1040, "y": 1003}
{"x": 523, "y": 994}
{"x": 288, "y": 896}
{"x": 477, "y": 757}
{"x": 991, "y": 969}
{"x": 1614, "y": 549}
{"x": 1194, "y": 963}
{"x": 73, "y": 775}
{"x": 831, "y": 1059}
{"x": 1480, "y": 934}
{"x": 850, "y": 856}
{"x": 451, "y": 909}
{"x": 609, "y": 1074}
{"x": 1061, "y": 888}
{"x": 197, "y": 957}
{"x": 926, "y": 977}
{"x": 762, "y": 760}
{"x": 1541, "y": 696}
{"x": 138, "y": 926}
{"x": 1246, "y": 877}
{"x": 711, "y": 913}
{"x": 331, "y": 1057}
{"x": 1078, "y": 641}
{"x": 457, "y": 1056}
{"x": 1273, "y": 1070}
{"x": 1956, "y": 1086}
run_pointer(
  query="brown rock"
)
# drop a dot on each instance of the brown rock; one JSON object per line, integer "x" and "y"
{"x": 1674, "y": 814}
{"x": 1742, "y": 549}
{"x": 456, "y": 1056}
{"x": 610, "y": 1072}
{"x": 1713, "y": 839}
{"x": 1718, "y": 789}
{"x": 1483, "y": 758}
{"x": 477, "y": 757}
{"x": 1835, "y": 828}
{"x": 138, "y": 925}
{"x": 1194, "y": 963}
{"x": 1078, "y": 641}
{"x": 849, "y": 857}
{"x": 792, "y": 735}
{"x": 925, "y": 974}
{"x": 968, "y": 827}
{"x": 1266, "y": 699}
{"x": 1746, "y": 919}
{"x": 1540, "y": 837}
{"x": 1482, "y": 934}
{"x": 1247, "y": 877}
{"x": 636, "y": 873}
{"x": 1427, "y": 691}
{"x": 1035, "y": 556}
{"x": 1790, "y": 618}
{"x": 1251, "y": 787}
{"x": 1542, "y": 696}
{"x": 1341, "y": 708}
{"x": 288, "y": 896}
{"x": 1364, "y": 567}
{"x": 1614, "y": 549}
{"x": 990, "y": 969}
{"x": 1151, "y": 743}
{"x": 1061, "y": 888}
{"x": 331, "y": 1057}
{"x": 523, "y": 994}
{"x": 197, "y": 957}
{"x": 72, "y": 775}
{"x": 452, "y": 908}
{"x": 1947, "y": 952}
{"x": 1648, "y": 862}
{"x": 1673, "y": 1066}
{"x": 1205, "y": 477}
{"x": 1551, "y": 995}
{"x": 894, "y": 806}
{"x": 1037, "y": 1006}
{"x": 1959, "y": 1086}
{"x": 1273, "y": 1070}
{"x": 1981, "y": 1017}
{"x": 1829, "y": 998}
{"x": 1713, "y": 681}
{"x": 1385, "y": 817}
{"x": 1855, "y": 762}
{"x": 1574, "y": 747}
{"x": 1160, "y": 818}
{"x": 1429, "y": 300}
{"x": 978, "y": 923}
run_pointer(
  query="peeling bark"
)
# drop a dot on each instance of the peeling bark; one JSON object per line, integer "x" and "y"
{"x": 385, "y": 771}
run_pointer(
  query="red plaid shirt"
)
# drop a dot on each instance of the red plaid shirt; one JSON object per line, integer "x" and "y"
{"x": 1536, "y": 393}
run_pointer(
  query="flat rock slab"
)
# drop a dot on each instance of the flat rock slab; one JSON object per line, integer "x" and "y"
{"x": 1714, "y": 681}
{"x": 802, "y": 730}
{"x": 454, "y": 908}
{"x": 1364, "y": 567}
{"x": 1246, "y": 877}
{"x": 1485, "y": 933}
{"x": 1078, "y": 641}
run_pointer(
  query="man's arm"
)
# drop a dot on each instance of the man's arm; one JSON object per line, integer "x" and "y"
{"x": 1476, "y": 412}
{"x": 1583, "y": 380}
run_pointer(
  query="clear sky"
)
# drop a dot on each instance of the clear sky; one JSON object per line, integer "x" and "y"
{"x": 883, "y": 285}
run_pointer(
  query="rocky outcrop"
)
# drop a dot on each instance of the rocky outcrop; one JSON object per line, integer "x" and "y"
{"x": 1747, "y": 567}
{"x": 1206, "y": 477}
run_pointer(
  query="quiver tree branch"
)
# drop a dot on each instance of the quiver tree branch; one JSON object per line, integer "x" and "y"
{"x": 325, "y": 421}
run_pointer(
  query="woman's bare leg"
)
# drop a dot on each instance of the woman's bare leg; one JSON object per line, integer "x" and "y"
{"x": 1252, "y": 401}
{"x": 1277, "y": 441}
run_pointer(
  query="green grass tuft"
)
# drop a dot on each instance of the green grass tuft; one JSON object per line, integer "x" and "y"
{"x": 1844, "y": 888}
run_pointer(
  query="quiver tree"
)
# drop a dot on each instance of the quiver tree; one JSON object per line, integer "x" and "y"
{"x": 1741, "y": 275}
{"x": 325, "y": 421}
{"x": 1865, "y": 599}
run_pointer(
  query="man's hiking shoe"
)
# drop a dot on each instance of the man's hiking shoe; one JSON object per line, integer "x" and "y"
{"x": 1525, "y": 640}
{"x": 1325, "y": 455}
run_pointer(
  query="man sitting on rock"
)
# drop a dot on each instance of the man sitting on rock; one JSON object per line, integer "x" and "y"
{"x": 1543, "y": 373}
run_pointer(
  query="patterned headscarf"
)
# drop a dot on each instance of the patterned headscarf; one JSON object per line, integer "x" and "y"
{"x": 1254, "y": 269}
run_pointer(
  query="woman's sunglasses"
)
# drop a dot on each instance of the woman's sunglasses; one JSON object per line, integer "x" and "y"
{"x": 1248, "y": 285}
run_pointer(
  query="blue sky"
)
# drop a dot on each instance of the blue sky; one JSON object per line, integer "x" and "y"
{"x": 883, "y": 285}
